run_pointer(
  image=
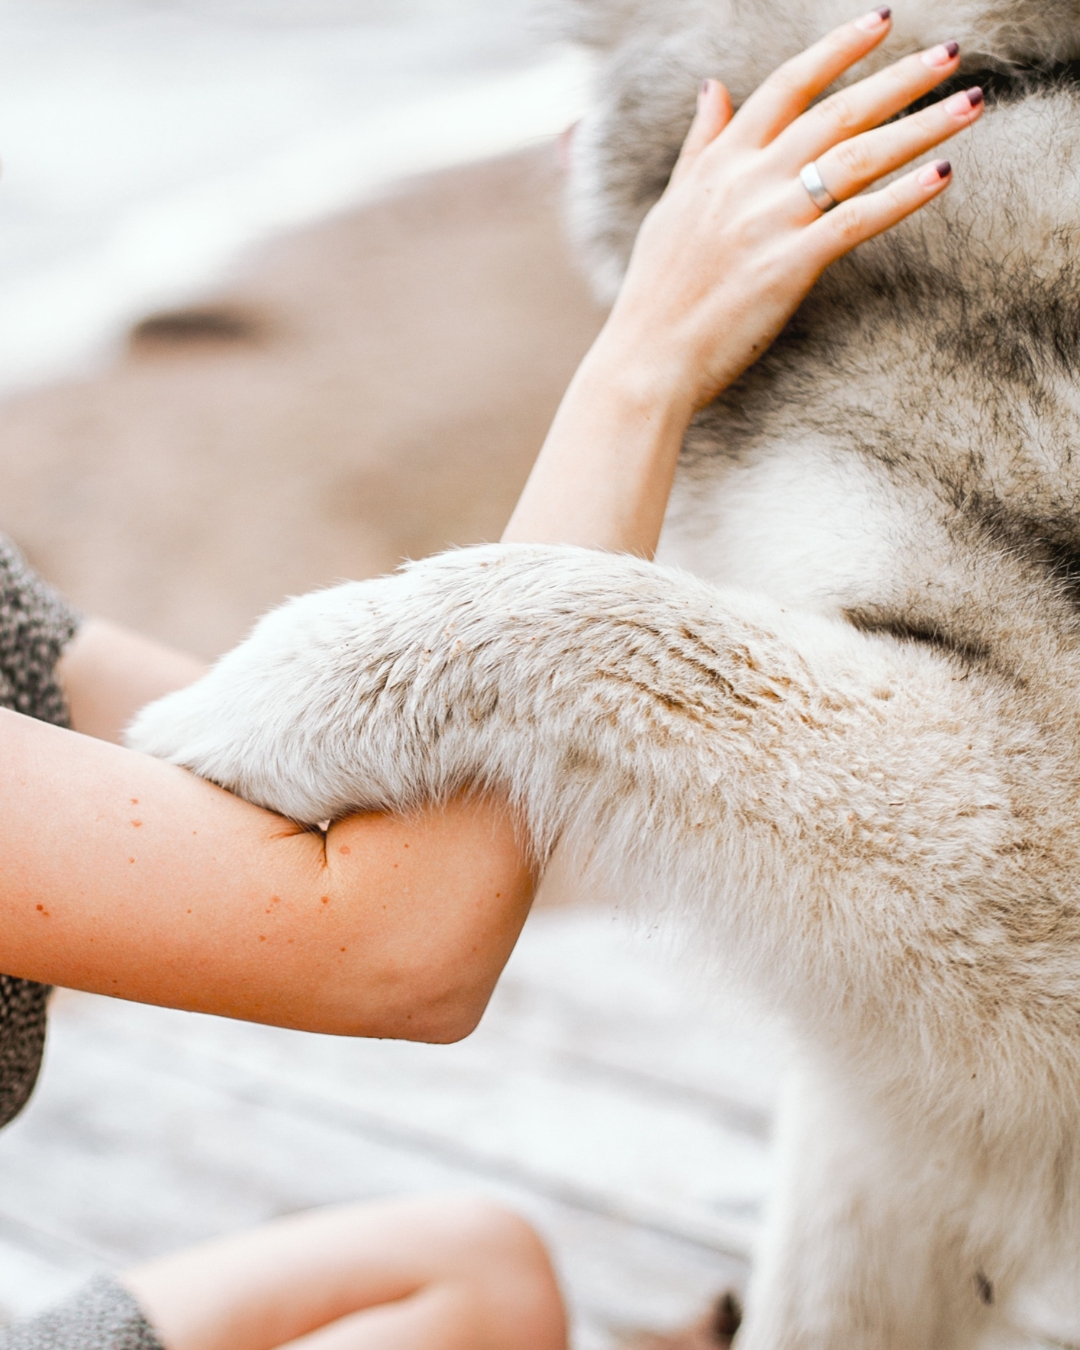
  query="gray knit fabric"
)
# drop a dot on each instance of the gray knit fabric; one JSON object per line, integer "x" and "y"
{"x": 35, "y": 626}
{"x": 101, "y": 1316}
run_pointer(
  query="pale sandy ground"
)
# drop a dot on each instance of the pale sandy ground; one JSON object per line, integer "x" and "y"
{"x": 402, "y": 367}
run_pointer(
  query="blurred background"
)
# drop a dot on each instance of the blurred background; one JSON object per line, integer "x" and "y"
{"x": 285, "y": 298}
{"x": 248, "y": 407}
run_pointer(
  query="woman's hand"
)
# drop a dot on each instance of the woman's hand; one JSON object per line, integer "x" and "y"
{"x": 721, "y": 263}
{"x": 736, "y": 241}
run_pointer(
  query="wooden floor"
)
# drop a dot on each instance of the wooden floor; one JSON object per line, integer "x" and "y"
{"x": 598, "y": 1096}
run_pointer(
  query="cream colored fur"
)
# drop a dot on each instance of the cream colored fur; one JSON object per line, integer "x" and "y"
{"x": 841, "y": 751}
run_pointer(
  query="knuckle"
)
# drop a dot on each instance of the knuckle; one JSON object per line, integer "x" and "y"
{"x": 904, "y": 77}
{"x": 787, "y": 81}
{"x": 851, "y": 160}
{"x": 917, "y": 136}
{"x": 791, "y": 78}
{"x": 929, "y": 121}
{"x": 839, "y": 112}
{"x": 850, "y": 223}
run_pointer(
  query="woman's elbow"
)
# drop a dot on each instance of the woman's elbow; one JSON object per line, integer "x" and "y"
{"x": 431, "y": 907}
{"x": 445, "y": 1024}
{"x": 446, "y": 995}
{"x": 431, "y": 1005}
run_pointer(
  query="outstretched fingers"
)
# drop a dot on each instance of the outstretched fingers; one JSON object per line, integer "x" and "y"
{"x": 855, "y": 221}
{"x": 791, "y": 88}
{"x": 855, "y": 164}
{"x": 866, "y": 104}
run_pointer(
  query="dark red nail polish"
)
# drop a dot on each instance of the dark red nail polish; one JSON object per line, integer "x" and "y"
{"x": 944, "y": 168}
{"x": 705, "y": 87}
{"x": 975, "y": 96}
{"x": 884, "y": 12}
{"x": 953, "y": 48}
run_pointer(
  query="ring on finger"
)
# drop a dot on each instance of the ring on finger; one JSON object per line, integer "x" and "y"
{"x": 819, "y": 193}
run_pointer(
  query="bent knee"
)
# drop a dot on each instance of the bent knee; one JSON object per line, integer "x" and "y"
{"x": 504, "y": 1262}
{"x": 471, "y": 1227}
{"x": 484, "y": 1223}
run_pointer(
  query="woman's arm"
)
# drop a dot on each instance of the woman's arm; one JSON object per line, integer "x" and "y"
{"x": 719, "y": 266}
{"x": 108, "y": 673}
{"x": 126, "y": 876}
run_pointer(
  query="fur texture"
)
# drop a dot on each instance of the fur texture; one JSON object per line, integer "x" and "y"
{"x": 839, "y": 747}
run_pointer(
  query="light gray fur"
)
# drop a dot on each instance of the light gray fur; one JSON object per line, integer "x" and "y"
{"x": 839, "y": 743}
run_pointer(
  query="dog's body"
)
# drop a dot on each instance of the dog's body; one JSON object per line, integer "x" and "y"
{"x": 849, "y": 758}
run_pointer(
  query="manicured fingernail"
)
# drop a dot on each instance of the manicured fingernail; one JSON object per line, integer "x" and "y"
{"x": 932, "y": 175}
{"x": 874, "y": 19}
{"x": 961, "y": 104}
{"x": 942, "y": 55}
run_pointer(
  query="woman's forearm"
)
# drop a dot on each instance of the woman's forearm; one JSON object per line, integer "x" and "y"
{"x": 108, "y": 673}
{"x": 603, "y": 477}
{"x": 127, "y": 876}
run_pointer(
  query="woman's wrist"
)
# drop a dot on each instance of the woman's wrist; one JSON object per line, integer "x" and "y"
{"x": 639, "y": 375}
{"x": 604, "y": 474}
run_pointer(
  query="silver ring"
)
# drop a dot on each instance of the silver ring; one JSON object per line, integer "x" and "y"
{"x": 819, "y": 193}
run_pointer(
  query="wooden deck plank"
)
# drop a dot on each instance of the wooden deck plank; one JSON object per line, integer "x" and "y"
{"x": 596, "y": 1097}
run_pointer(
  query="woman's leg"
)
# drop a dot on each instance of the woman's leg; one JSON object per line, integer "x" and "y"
{"x": 443, "y": 1274}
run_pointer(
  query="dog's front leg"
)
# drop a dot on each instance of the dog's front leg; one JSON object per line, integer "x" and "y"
{"x": 832, "y": 811}
{"x": 868, "y": 1243}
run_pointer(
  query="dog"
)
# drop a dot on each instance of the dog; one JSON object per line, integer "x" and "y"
{"x": 834, "y": 737}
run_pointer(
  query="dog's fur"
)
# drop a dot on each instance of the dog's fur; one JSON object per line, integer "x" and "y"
{"x": 845, "y": 755}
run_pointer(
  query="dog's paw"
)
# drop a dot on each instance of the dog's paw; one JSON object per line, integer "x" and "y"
{"x": 548, "y": 672}
{"x": 715, "y": 1331}
{"x": 376, "y": 695}
{"x": 275, "y": 720}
